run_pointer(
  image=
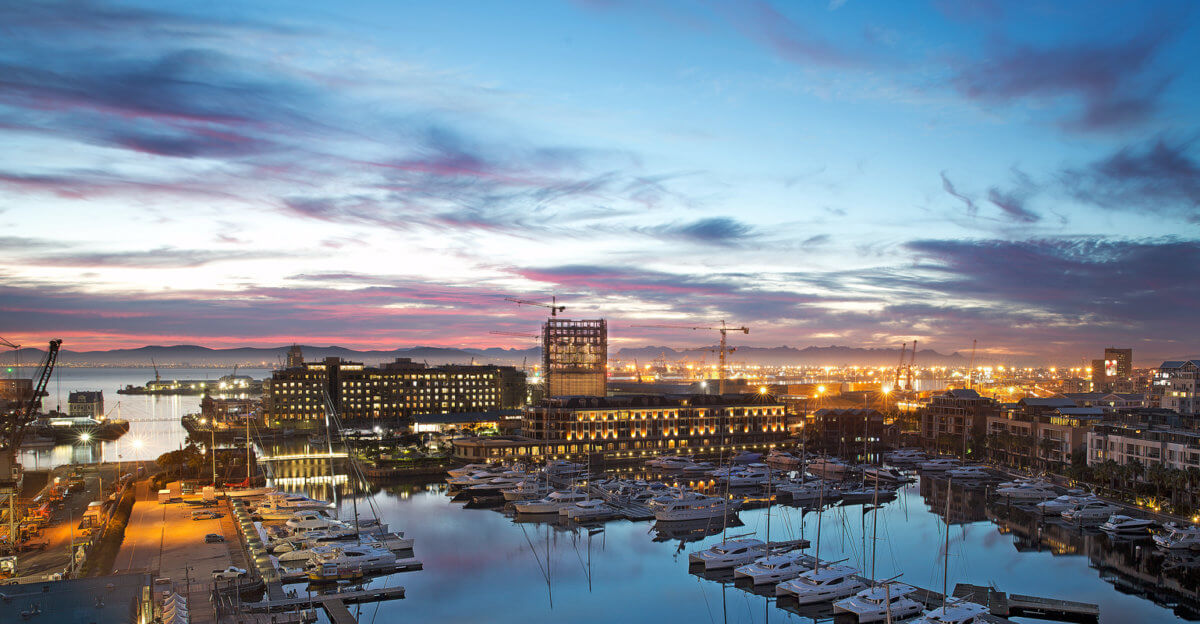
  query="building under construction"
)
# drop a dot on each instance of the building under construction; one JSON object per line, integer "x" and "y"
{"x": 575, "y": 357}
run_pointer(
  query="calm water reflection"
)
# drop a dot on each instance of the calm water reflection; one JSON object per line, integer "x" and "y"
{"x": 483, "y": 565}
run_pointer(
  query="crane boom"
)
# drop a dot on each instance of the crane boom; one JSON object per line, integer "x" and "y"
{"x": 723, "y": 350}
{"x": 14, "y": 425}
{"x": 517, "y": 334}
{"x": 912, "y": 357}
{"x": 553, "y": 305}
{"x": 896, "y": 381}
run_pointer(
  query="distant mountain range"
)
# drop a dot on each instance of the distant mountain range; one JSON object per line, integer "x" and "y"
{"x": 197, "y": 356}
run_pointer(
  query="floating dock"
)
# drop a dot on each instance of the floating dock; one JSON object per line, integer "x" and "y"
{"x": 334, "y": 604}
{"x": 1020, "y": 605}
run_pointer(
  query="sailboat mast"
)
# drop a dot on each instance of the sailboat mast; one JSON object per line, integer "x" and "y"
{"x": 946, "y": 558}
{"x": 874, "y": 529}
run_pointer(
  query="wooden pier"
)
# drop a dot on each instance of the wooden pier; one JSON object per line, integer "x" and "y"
{"x": 334, "y": 604}
{"x": 1020, "y": 605}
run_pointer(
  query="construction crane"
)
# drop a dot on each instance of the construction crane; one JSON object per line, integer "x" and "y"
{"x": 723, "y": 350}
{"x": 16, "y": 353}
{"x": 912, "y": 357}
{"x": 553, "y": 305}
{"x": 971, "y": 369}
{"x": 12, "y": 427}
{"x": 156, "y": 377}
{"x": 517, "y": 334}
{"x": 899, "y": 367}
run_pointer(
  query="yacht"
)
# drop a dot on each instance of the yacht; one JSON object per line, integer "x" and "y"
{"x": 333, "y": 562}
{"x": 561, "y": 468}
{"x": 810, "y": 491}
{"x": 829, "y": 467}
{"x": 496, "y": 485}
{"x": 1178, "y": 537}
{"x": 469, "y": 479}
{"x": 775, "y": 568}
{"x": 1119, "y": 524}
{"x": 732, "y": 553}
{"x": 781, "y": 460}
{"x": 1028, "y": 492}
{"x": 1062, "y": 503}
{"x": 884, "y": 474}
{"x": 866, "y": 494}
{"x": 880, "y": 603}
{"x": 468, "y": 469}
{"x": 552, "y": 503}
{"x": 956, "y": 612}
{"x": 905, "y": 456}
{"x": 696, "y": 508}
{"x": 969, "y": 473}
{"x": 746, "y": 457}
{"x": 676, "y": 463}
{"x": 526, "y": 490}
{"x": 941, "y": 464}
{"x": 594, "y": 509}
{"x": 1089, "y": 512}
{"x": 822, "y": 585}
{"x": 748, "y": 477}
{"x": 657, "y": 462}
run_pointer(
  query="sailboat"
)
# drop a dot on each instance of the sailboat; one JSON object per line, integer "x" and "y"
{"x": 821, "y": 584}
{"x": 957, "y": 611}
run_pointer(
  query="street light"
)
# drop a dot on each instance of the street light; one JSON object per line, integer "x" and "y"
{"x": 85, "y": 437}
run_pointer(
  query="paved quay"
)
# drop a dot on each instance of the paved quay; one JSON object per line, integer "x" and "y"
{"x": 164, "y": 539}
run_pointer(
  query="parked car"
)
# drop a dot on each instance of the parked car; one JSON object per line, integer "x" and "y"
{"x": 207, "y": 515}
{"x": 228, "y": 573}
{"x": 212, "y": 538}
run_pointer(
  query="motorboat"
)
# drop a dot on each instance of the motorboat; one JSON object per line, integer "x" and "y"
{"x": 829, "y": 467}
{"x": 866, "y": 494}
{"x": 1062, "y": 503}
{"x": 594, "y": 509}
{"x": 463, "y": 471}
{"x": 884, "y": 474}
{"x": 781, "y": 460}
{"x": 810, "y": 491}
{"x": 657, "y": 462}
{"x": 553, "y": 502}
{"x": 696, "y": 508}
{"x": 748, "y": 477}
{"x": 329, "y": 561}
{"x": 1178, "y": 537}
{"x": 775, "y": 568}
{"x": 526, "y": 490}
{"x": 469, "y": 479}
{"x": 940, "y": 464}
{"x": 879, "y": 603}
{"x": 1028, "y": 492}
{"x": 746, "y": 457}
{"x": 969, "y": 473}
{"x": 732, "y": 553}
{"x": 955, "y": 612}
{"x": 1089, "y": 512}
{"x": 496, "y": 485}
{"x": 905, "y": 456}
{"x": 561, "y": 468}
{"x": 1120, "y": 524}
{"x": 822, "y": 585}
{"x": 676, "y": 464}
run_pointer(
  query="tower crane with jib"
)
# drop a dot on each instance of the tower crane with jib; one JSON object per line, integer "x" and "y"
{"x": 13, "y": 423}
{"x": 553, "y": 305}
{"x": 912, "y": 358}
{"x": 722, "y": 351}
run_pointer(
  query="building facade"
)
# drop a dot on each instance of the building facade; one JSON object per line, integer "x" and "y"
{"x": 1178, "y": 381}
{"x": 637, "y": 427}
{"x": 952, "y": 419}
{"x": 392, "y": 393}
{"x": 1178, "y": 449}
{"x": 1038, "y": 432}
{"x": 86, "y": 404}
{"x": 575, "y": 357}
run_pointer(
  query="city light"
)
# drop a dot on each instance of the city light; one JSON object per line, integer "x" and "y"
{"x": 85, "y": 437}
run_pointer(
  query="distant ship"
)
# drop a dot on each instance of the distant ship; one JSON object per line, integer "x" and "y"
{"x": 226, "y": 386}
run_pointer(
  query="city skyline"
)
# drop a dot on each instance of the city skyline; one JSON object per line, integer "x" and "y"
{"x": 840, "y": 173}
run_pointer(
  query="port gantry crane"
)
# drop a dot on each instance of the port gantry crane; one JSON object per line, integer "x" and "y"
{"x": 721, "y": 350}
{"x": 912, "y": 357}
{"x": 899, "y": 367}
{"x": 12, "y": 429}
{"x": 16, "y": 353}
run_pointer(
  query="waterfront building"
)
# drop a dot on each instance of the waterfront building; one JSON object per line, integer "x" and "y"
{"x": 86, "y": 404}
{"x": 951, "y": 419}
{"x": 575, "y": 357}
{"x": 1109, "y": 401}
{"x": 1115, "y": 369}
{"x": 390, "y": 394}
{"x": 226, "y": 413}
{"x": 841, "y": 430}
{"x": 1040, "y": 430}
{"x": 637, "y": 427}
{"x": 1152, "y": 445}
{"x": 1179, "y": 382}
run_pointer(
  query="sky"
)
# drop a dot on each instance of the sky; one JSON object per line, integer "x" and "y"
{"x": 383, "y": 174}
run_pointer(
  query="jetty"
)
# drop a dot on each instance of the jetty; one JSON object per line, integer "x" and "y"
{"x": 334, "y": 604}
{"x": 1020, "y": 605}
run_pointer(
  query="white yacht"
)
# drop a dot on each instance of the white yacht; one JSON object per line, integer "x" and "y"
{"x": 1089, "y": 512}
{"x": 1126, "y": 525}
{"x": 884, "y": 474}
{"x": 526, "y": 490}
{"x": 1062, "y": 503}
{"x": 362, "y": 557}
{"x": 822, "y": 585}
{"x": 468, "y": 469}
{"x": 810, "y": 491}
{"x": 594, "y": 509}
{"x": 829, "y": 467}
{"x": 469, "y": 479}
{"x": 775, "y": 568}
{"x": 737, "y": 552}
{"x": 492, "y": 486}
{"x": 878, "y": 603}
{"x": 552, "y": 503}
{"x": 781, "y": 460}
{"x": 692, "y": 508}
{"x": 1179, "y": 537}
{"x": 657, "y": 462}
{"x": 906, "y": 456}
{"x": 957, "y": 612}
{"x": 748, "y": 477}
{"x": 969, "y": 473}
{"x": 940, "y": 464}
{"x": 1028, "y": 492}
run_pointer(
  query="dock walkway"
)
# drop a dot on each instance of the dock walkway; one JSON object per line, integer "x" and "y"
{"x": 334, "y": 604}
{"x": 1019, "y": 605}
